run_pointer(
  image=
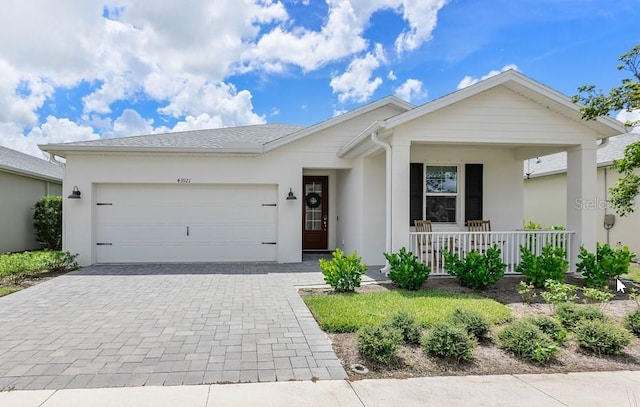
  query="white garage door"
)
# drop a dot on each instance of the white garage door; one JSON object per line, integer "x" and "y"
{"x": 185, "y": 223}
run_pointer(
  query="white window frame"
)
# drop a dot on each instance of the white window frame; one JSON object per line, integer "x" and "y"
{"x": 457, "y": 194}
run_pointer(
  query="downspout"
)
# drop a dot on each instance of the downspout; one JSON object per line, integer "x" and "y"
{"x": 606, "y": 200}
{"x": 389, "y": 224}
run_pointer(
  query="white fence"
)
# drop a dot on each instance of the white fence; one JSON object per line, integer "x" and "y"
{"x": 429, "y": 246}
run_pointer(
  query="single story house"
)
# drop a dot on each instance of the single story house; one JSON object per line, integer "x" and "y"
{"x": 545, "y": 193}
{"x": 24, "y": 179}
{"x": 356, "y": 181}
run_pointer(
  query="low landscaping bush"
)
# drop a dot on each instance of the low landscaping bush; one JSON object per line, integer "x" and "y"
{"x": 15, "y": 267}
{"x": 528, "y": 342}
{"x": 526, "y": 292}
{"x": 549, "y": 326}
{"x": 379, "y": 343}
{"x": 449, "y": 340}
{"x": 477, "y": 270}
{"x": 472, "y": 321}
{"x": 558, "y": 293}
{"x": 602, "y": 337}
{"x": 342, "y": 273}
{"x": 411, "y": 331}
{"x": 597, "y": 296}
{"x": 570, "y": 314}
{"x": 604, "y": 265}
{"x": 406, "y": 270}
{"x": 632, "y": 321}
{"x": 550, "y": 264}
{"x": 47, "y": 222}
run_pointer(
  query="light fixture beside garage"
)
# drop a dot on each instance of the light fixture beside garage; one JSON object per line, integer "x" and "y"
{"x": 290, "y": 195}
{"x": 75, "y": 194}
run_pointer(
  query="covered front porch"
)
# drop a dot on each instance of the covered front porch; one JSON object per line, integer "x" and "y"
{"x": 460, "y": 158}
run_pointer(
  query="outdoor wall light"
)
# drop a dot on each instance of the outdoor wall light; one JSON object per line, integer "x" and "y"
{"x": 290, "y": 195}
{"x": 75, "y": 194}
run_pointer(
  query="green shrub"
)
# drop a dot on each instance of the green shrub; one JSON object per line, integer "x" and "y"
{"x": 411, "y": 331}
{"x": 528, "y": 342}
{"x": 595, "y": 295}
{"x": 406, "y": 270}
{"x": 472, "y": 321}
{"x": 448, "y": 340}
{"x": 526, "y": 292}
{"x": 477, "y": 271}
{"x": 632, "y": 321}
{"x": 605, "y": 265}
{"x": 15, "y": 267}
{"x": 343, "y": 273}
{"x": 47, "y": 222}
{"x": 559, "y": 293}
{"x": 379, "y": 343}
{"x": 550, "y": 264}
{"x": 62, "y": 261}
{"x": 570, "y": 314}
{"x": 602, "y": 337}
{"x": 549, "y": 326}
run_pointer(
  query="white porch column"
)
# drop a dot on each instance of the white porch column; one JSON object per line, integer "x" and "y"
{"x": 400, "y": 158}
{"x": 581, "y": 198}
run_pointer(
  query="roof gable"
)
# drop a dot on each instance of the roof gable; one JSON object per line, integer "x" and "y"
{"x": 524, "y": 86}
{"x": 29, "y": 165}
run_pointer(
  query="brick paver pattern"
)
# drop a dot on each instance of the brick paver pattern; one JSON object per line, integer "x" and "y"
{"x": 134, "y": 325}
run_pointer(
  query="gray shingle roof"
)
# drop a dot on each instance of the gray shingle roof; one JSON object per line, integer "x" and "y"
{"x": 27, "y": 164}
{"x": 558, "y": 162}
{"x": 209, "y": 138}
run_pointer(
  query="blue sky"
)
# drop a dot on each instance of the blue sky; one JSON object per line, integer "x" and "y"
{"x": 81, "y": 70}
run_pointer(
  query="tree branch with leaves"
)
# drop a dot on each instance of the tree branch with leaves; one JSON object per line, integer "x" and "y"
{"x": 596, "y": 103}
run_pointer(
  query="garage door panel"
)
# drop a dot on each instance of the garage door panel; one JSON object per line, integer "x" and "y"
{"x": 149, "y": 223}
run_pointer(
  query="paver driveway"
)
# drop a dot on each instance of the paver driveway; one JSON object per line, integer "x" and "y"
{"x": 132, "y": 325}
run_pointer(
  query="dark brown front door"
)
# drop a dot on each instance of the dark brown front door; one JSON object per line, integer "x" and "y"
{"x": 315, "y": 215}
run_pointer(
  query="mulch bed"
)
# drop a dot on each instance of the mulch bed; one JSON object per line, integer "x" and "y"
{"x": 489, "y": 359}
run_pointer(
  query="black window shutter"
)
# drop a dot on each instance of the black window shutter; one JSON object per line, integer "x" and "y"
{"x": 416, "y": 182}
{"x": 473, "y": 192}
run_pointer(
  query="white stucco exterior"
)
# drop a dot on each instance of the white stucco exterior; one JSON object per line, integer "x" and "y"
{"x": 497, "y": 123}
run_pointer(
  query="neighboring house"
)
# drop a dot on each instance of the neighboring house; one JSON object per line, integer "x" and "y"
{"x": 359, "y": 178}
{"x": 546, "y": 193}
{"x": 24, "y": 179}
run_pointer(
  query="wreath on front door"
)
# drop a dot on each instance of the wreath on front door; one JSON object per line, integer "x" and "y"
{"x": 313, "y": 200}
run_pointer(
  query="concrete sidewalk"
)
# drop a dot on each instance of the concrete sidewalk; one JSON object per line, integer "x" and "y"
{"x": 573, "y": 389}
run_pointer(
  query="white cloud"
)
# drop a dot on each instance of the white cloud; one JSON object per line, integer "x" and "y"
{"x": 422, "y": 16}
{"x": 411, "y": 90}
{"x": 53, "y": 130}
{"x": 468, "y": 80}
{"x": 220, "y": 100}
{"x": 130, "y": 123}
{"x": 340, "y": 37}
{"x": 632, "y": 116}
{"x": 391, "y": 76}
{"x": 356, "y": 84}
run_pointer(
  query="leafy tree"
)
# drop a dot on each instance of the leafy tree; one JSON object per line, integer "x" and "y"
{"x": 623, "y": 97}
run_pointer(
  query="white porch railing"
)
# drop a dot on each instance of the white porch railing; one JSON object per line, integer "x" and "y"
{"x": 429, "y": 246}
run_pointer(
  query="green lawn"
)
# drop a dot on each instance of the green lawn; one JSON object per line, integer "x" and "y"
{"x": 634, "y": 273}
{"x": 4, "y": 290}
{"x": 350, "y": 312}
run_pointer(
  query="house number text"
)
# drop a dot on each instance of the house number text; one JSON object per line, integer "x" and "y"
{"x": 184, "y": 180}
